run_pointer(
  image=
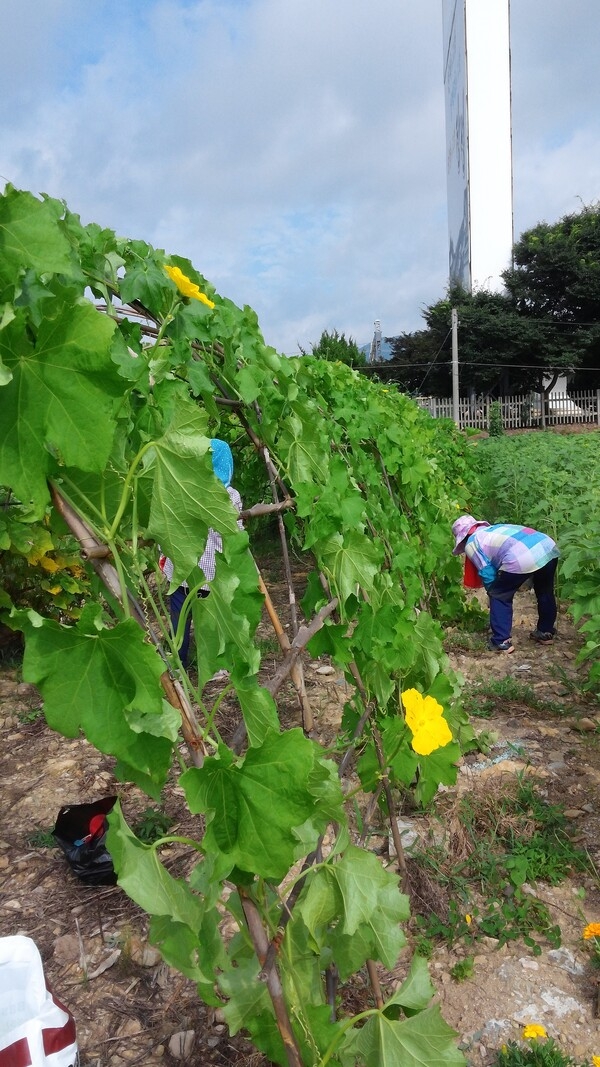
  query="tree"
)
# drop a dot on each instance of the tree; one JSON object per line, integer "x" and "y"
{"x": 334, "y": 347}
{"x": 494, "y": 345}
{"x": 555, "y": 280}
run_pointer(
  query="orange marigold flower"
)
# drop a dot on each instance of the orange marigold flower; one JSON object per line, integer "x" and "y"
{"x": 186, "y": 286}
{"x": 533, "y": 1031}
{"x": 591, "y": 930}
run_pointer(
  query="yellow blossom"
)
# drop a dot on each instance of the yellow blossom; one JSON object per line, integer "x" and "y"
{"x": 533, "y": 1031}
{"x": 591, "y": 930}
{"x": 468, "y": 919}
{"x": 596, "y": 1061}
{"x": 186, "y": 286}
{"x": 424, "y": 718}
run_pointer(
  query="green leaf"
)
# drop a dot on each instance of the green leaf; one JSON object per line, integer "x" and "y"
{"x": 58, "y": 407}
{"x": 187, "y": 498}
{"x": 255, "y": 806}
{"x": 422, "y": 1041}
{"x": 225, "y": 621}
{"x": 352, "y": 561}
{"x": 30, "y": 237}
{"x": 145, "y": 880}
{"x": 357, "y": 891}
{"x": 416, "y": 990}
{"x": 96, "y": 679}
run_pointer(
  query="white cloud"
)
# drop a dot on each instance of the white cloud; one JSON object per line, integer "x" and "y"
{"x": 294, "y": 151}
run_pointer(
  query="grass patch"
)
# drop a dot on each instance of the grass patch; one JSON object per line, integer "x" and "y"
{"x": 500, "y": 840}
{"x": 484, "y": 698}
{"x": 41, "y": 839}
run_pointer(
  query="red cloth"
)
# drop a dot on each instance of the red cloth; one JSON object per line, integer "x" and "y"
{"x": 471, "y": 578}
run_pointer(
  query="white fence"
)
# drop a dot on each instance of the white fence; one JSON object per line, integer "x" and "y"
{"x": 520, "y": 412}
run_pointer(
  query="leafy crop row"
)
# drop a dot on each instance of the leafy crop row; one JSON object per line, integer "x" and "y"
{"x": 552, "y": 482}
{"x": 117, "y": 365}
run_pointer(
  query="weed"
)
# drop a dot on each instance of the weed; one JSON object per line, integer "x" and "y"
{"x": 484, "y": 698}
{"x": 535, "y": 1054}
{"x": 424, "y": 946}
{"x": 32, "y": 715}
{"x": 41, "y": 839}
{"x": 463, "y": 969}
{"x": 151, "y": 825}
{"x": 268, "y": 645}
{"x": 500, "y": 840}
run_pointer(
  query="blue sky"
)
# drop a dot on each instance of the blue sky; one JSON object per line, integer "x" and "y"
{"x": 294, "y": 150}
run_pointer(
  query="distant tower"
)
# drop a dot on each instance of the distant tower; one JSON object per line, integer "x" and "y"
{"x": 375, "y": 350}
{"x": 478, "y": 140}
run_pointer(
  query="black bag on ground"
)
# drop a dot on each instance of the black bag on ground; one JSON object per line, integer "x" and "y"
{"x": 80, "y": 832}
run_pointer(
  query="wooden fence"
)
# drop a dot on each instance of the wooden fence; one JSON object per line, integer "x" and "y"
{"x": 520, "y": 412}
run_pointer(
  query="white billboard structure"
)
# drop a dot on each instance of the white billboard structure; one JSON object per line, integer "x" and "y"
{"x": 478, "y": 140}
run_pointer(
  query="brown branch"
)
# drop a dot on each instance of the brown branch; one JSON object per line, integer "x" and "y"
{"x": 284, "y": 643}
{"x": 375, "y": 984}
{"x": 389, "y": 800}
{"x": 266, "y": 509}
{"x": 298, "y": 644}
{"x": 272, "y": 979}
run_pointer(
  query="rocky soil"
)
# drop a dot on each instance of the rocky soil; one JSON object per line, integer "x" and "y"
{"x": 131, "y": 1008}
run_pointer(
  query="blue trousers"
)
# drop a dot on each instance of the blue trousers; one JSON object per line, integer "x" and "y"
{"x": 176, "y": 600}
{"x": 501, "y": 593}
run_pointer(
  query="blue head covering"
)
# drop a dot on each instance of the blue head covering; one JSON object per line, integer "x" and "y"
{"x": 222, "y": 460}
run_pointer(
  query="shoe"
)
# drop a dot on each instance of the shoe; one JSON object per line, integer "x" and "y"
{"x": 541, "y": 637}
{"x": 504, "y": 646}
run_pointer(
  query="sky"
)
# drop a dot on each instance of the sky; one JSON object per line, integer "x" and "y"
{"x": 293, "y": 150}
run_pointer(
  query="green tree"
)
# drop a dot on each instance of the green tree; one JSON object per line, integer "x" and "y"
{"x": 494, "y": 345}
{"x": 336, "y": 348}
{"x": 555, "y": 282}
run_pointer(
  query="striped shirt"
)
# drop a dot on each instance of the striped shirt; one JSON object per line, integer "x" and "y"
{"x": 516, "y": 549}
{"x": 214, "y": 544}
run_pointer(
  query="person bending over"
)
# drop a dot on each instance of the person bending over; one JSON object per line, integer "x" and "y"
{"x": 502, "y": 557}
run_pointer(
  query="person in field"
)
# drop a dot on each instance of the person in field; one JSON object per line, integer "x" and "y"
{"x": 222, "y": 462}
{"x": 501, "y": 557}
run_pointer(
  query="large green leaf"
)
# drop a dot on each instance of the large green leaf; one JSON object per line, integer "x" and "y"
{"x": 352, "y": 561}
{"x": 58, "y": 408}
{"x": 187, "y": 498}
{"x": 256, "y": 805}
{"x": 424, "y": 1040}
{"x": 106, "y": 683}
{"x": 30, "y": 237}
{"x": 357, "y": 891}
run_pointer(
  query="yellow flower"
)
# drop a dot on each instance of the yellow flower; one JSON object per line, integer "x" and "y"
{"x": 533, "y": 1031}
{"x": 468, "y": 919}
{"x": 591, "y": 930}
{"x": 186, "y": 286}
{"x": 596, "y": 1061}
{"x": 424, "y": 719}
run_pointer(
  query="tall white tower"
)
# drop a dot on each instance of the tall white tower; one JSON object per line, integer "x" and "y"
{"x": 478, "y": 140}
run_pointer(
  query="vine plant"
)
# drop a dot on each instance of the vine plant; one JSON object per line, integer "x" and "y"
{"x": 117, "y": 365}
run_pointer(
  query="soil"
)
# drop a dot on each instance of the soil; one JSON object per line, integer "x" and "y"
{"x": 129, "y": 1007}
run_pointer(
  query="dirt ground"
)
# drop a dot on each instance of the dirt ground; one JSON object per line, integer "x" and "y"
{"x": 129, "y": 1007}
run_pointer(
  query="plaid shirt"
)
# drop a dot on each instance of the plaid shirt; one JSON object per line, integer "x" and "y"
{"x": 214, "y": 544}
{"x": 516, "y": 549}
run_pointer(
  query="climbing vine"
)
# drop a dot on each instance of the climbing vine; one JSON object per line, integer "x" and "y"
{"x": 118, "y": 363}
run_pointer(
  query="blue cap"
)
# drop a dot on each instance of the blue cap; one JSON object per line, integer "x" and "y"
{"x": 222, "y": 460}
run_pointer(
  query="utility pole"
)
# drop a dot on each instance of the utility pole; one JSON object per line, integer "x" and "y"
{"x": 455, "y": 396}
